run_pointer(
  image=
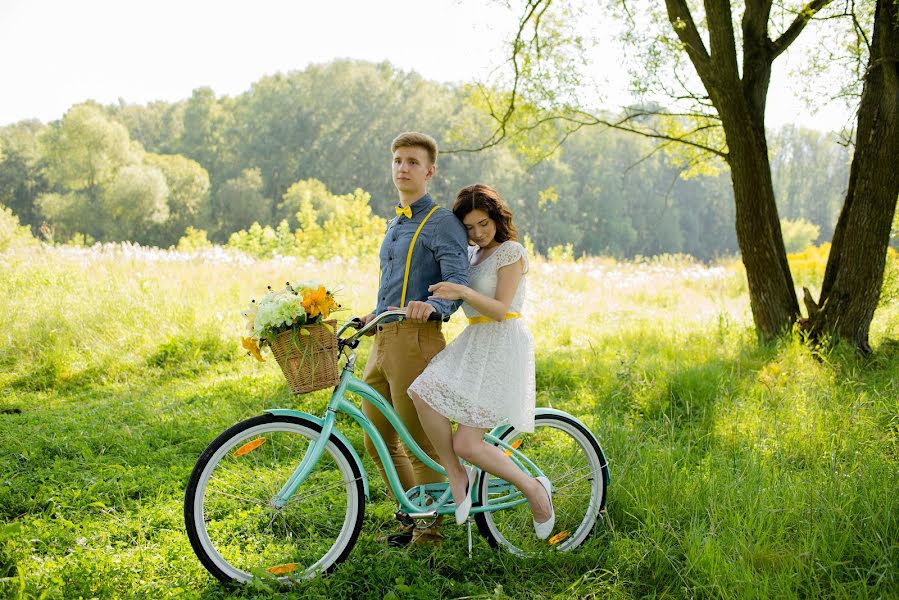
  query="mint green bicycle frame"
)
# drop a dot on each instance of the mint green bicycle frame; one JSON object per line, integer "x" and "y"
{"x": 431, "y": 499}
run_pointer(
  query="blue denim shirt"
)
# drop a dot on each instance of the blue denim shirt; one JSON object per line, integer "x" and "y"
{"x": 440, "y": 254}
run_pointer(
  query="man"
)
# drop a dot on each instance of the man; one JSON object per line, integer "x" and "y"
{"x": 402, "y": 349}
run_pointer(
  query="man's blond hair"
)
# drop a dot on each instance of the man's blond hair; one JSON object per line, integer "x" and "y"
{"x": 415, "y": 139}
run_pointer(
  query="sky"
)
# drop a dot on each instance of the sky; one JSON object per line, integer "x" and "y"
{"x": 56, "y": 53}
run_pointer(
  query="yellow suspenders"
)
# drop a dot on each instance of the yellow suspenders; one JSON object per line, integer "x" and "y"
{"x": 409, "y": 256}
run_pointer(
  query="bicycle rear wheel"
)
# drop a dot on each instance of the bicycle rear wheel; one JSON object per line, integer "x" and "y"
{"x": 233, "y": 527}
{"x": 571, "y": 458}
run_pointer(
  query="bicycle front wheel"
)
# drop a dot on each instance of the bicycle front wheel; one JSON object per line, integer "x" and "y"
{"x": 571, "y": 458}
{"x": 232, "y": 524}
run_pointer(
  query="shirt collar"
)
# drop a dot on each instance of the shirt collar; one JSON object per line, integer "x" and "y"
{"x": 422, "y": 204}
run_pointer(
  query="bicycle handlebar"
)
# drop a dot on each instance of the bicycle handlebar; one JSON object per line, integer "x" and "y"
{"x": 356, "y": 322}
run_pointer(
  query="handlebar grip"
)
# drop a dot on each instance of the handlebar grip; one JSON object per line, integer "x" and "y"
{"x": 435, "y": 316}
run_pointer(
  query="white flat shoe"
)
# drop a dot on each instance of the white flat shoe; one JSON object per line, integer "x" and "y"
{"x": 464, "y": 507}
{"x": 546, "y": 527}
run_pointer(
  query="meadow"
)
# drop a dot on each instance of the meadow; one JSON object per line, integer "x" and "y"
{"x": 738, "y": 469}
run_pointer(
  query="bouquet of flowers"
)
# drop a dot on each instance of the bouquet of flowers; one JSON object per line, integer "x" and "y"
{"x": 293, "y": 322}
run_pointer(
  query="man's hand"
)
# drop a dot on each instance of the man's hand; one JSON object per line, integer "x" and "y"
{"x": 419, "y": 311}
{"x": 366, "y": 320}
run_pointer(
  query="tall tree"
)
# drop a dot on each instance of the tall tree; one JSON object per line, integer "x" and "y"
{"x": 21, "y": 177}
{"x": 85, "y": 149}
{"x": 188, "y": 196}
{"x": 733, "y": 67}
{"x": 156, "y": 126}
{"x": 82, "y": 155}
{"x": 133, "y": 201}
{"x": 240, "y": 203}
{"x": 855, "y": 266}
{"x": 207, "y": 135}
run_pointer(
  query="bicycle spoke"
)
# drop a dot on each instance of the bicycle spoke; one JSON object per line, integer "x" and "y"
{"x": 316, "y": 491}
{"x": 242, "y": 531}
{"x": 563, "y": 453}
{"x": 236, "y": 497}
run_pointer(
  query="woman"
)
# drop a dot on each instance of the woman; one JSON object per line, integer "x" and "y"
{"x": 485, "y": 377}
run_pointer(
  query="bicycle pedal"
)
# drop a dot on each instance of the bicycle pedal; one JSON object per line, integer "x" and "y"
{"x": 404, "y": 518}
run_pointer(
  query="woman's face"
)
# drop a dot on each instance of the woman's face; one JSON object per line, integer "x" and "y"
{"x": 481, "y": 228}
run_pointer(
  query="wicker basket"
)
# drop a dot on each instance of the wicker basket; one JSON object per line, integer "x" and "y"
{"x": 309, "y": 362}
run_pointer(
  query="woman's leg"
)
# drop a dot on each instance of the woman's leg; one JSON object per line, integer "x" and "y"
{"x": 438, "y": 429}
{"x": 468, "y": 442}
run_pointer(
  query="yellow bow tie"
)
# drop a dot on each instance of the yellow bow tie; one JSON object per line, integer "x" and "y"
{"x": 404, "y": 211}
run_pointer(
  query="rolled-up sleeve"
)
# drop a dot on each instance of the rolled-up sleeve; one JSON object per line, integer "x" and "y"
{"x": 450, "y": 247}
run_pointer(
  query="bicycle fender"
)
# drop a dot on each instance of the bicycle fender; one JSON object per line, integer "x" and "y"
{"x": 500, "y": 430}
{"x": 287, "y": 412}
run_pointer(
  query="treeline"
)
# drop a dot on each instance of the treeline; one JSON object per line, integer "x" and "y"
{"x": 221, "y": 164}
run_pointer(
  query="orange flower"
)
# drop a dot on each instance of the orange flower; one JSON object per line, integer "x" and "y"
{"x": 253, "y": 347}
{"x": 318, "y": 302}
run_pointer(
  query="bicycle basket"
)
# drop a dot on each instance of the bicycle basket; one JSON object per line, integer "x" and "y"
{"x": 309, "y": 362}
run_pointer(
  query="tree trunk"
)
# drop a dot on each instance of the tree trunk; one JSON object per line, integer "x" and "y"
{"x": 772, "y": 296}
{"x": 854, "y": 274}
{"x": 741, "y": 106}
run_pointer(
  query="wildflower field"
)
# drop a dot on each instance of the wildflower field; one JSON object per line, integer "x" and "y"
{"x": 738, "y": 469}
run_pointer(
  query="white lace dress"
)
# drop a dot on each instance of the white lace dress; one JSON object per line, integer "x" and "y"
{"x": 485, "y": 377}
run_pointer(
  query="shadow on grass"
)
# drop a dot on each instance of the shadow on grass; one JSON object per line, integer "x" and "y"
{"x": 93, "y": 452}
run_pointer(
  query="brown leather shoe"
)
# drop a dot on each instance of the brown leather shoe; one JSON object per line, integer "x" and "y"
{"x": 429, "y": 535}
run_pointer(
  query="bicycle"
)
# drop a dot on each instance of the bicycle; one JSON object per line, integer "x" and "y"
{"x": 252, "y": 511}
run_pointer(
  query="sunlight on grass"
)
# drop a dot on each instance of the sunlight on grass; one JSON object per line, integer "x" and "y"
{"x": 738, "y": 470}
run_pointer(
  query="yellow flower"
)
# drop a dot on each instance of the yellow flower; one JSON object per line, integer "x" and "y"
{"x": 253, "y": 347}
{"x": 318, "y": 302}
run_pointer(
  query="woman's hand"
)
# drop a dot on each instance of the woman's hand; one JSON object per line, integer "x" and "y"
{"x": 447, "y": 291}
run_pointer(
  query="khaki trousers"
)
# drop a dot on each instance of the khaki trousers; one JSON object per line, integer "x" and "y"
{"x": 400, "y": 352}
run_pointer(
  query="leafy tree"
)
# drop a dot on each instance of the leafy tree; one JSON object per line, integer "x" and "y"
{"x": 240, "y": 203}
{"x": 329, "y": 126}
{"x": 11, "y": 233}
{"x": 21, "y": 177}
{"x": 157, "y": 126}
{"x": 192, "y": 240}
{"x": 279, "y": 118}
{"x": 799, "y": 234}
{"x": 725, "y": 89}
{"x": 307, "y": 191}
{"x": 263, "y": 241}
{"x": 351, "y": 229}
{"x": 855, "y": 267}
{"x": 188, "y": 195}
{"x": 68, "y": 214}
{"x": 134, "y": 201}
{"x": 347, "y": 229}
{"x": 85, "y": 150}
{"x": 206, "y": 134}
{"x": 82, "y": 155}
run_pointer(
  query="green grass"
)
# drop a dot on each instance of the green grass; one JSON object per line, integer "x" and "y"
{"x": 738, "y": 470}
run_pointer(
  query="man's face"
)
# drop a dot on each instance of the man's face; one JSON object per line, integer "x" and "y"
{"x": 412, "y": 169}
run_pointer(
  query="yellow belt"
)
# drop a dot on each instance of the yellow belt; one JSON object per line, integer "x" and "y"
{"x": 485, "y": 319}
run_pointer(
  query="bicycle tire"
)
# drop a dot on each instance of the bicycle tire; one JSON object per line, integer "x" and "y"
{"x": 236, "y": 532}
{"x": 569, "y": 455}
